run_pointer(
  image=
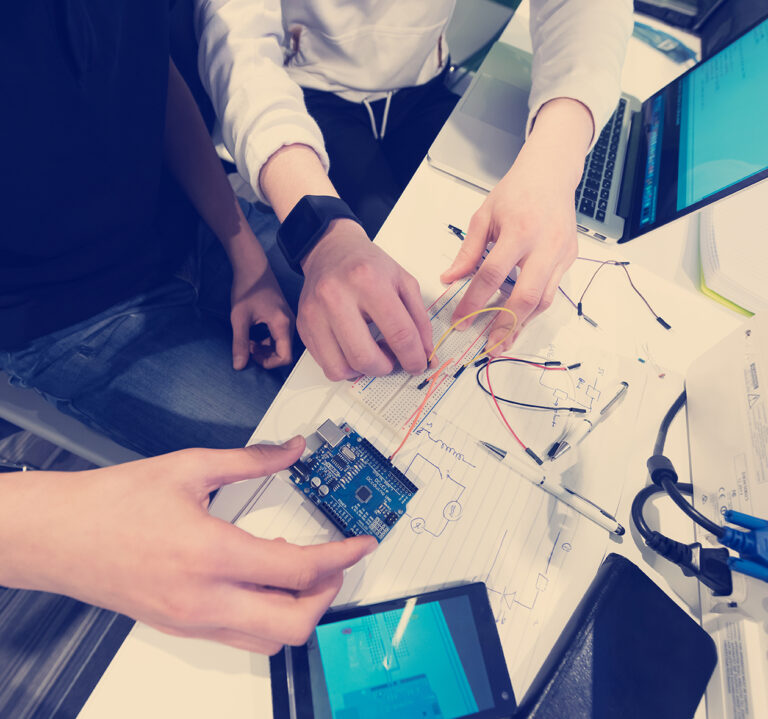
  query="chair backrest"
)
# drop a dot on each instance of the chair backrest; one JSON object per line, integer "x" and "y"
{"x": 474, "y": 27}
{"x": 28, "y": 410}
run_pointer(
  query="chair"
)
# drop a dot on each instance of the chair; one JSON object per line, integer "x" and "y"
{"x": 474, "y": 27}
{"x": 26, "y": 409}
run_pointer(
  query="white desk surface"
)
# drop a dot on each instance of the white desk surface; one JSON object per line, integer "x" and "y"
{"x": 155, "y": 675}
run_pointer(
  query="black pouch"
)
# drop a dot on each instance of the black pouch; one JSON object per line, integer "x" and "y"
{"x": 627, "y": 652}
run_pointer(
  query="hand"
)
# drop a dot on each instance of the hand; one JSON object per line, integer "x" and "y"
{"x": 257, "y": 298}
{"x": 136, "y": 538}
{"x": 530, "y": 215}
{"x": 349, "y": 282}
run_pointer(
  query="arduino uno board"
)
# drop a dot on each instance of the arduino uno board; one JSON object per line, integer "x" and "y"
{"x": 352, "y": 483}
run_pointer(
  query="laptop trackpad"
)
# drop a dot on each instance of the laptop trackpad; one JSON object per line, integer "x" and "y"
{"x": 499, "y": 104}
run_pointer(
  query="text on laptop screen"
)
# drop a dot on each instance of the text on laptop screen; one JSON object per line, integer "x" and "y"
{"x": 706, "y": 133}
{"x": 723, "y": 111}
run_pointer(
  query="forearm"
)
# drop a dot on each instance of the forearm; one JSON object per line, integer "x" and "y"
{"x": 28, "y": 503}
{"x": 192, "y": 159}
{"x": 562, "y": 135}
{"x": 241, "y": 55}
{"x": 578, "y": 52}
{"x": 289, "y": 174}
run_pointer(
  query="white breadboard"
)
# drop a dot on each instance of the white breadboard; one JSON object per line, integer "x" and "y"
{"x": 396, "y": 397}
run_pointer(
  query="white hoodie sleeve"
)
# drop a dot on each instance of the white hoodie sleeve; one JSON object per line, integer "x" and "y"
{"x": 259, "y": 107}
{"x": 578, "y": 52}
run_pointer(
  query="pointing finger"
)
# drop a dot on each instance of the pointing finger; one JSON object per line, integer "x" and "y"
{"x": 471, "y": 250}
{"x": 533, "y": 293}
{"x": 488, "y": 279}
{"x": 283, "y": 565}
{"x": 212, "y": 468}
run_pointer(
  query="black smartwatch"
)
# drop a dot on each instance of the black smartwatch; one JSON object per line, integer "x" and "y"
{"x": 306, "y": 223}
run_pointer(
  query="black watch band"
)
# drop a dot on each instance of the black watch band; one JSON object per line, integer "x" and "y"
{"x": 306, "y": 223}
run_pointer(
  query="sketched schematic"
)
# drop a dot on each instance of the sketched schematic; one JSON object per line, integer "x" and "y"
{"x": 440, "y": 492}
{"x": 505, "y": 598}
{"x": 426, "y": 428}
{"x": 580, "y": 389}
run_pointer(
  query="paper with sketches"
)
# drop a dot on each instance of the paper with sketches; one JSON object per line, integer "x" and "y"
{"x": 473, "y": 518}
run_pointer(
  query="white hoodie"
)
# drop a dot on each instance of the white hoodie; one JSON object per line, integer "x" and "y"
{"x": 255, "y": 55}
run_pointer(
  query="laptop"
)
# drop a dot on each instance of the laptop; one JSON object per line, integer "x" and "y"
{"x": 698, "y": 139}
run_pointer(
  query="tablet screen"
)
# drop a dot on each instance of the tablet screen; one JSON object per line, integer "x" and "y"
{"x": 704, "y": 134}
{"x": 422, "y": 661}
{"x": 435, "y": 656}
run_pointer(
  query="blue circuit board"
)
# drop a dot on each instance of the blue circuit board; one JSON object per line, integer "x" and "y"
{"x": 352, "y": 483}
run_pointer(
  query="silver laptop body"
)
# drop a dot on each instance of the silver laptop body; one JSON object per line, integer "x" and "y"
{"x": 482, "y": 137}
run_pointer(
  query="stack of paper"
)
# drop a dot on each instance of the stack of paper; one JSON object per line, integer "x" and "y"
{"x": 727, "y": 427}
{"x": 733, "y": 245}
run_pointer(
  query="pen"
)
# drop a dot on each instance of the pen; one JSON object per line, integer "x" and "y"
{"x": 585, "y": 426}
{"x": 575, "y": 501}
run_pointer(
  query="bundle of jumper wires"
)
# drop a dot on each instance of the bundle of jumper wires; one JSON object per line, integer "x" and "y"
{"x": 483, "y": 362}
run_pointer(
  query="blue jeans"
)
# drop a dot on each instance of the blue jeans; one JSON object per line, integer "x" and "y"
{"x": 154, "y": 372}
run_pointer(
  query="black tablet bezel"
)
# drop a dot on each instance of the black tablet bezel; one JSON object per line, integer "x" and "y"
{"x": 298, "y": 684}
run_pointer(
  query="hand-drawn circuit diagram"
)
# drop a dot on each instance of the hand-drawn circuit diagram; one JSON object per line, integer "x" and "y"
{"x": 443, "y": 502}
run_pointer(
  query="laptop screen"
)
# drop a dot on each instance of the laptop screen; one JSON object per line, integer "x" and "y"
{"x": 705, "y": 134}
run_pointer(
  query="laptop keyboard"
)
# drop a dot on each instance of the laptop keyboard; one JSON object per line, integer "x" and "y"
{"x": 595, "y": 185}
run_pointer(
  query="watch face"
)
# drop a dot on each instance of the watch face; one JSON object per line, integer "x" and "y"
{"x": 306, "y": 223}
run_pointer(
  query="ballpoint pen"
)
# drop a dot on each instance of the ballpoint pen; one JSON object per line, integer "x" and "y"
{"x": 585, "y": 425}
{"x": 568, "y": 497}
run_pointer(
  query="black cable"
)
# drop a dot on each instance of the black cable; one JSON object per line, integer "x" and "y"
{"x": 526, "y": 405}
{"x": 661, "y": 435}
{"x": 708, "y": 565}
{"x": 637, "y": 509}
{"x": 638, "y": 505}
{"x": 675, "y": 493}
{"x": 650, "y": 536}
{"x": 669, "y": 484}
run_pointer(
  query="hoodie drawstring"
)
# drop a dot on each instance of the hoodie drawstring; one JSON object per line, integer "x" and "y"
{"x": 379, "y": 134}
{"x": 385, "y": 117}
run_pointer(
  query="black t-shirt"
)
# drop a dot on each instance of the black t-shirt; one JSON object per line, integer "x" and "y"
{"x": 85, "y": 219}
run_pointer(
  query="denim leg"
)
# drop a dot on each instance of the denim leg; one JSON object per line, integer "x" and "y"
{"x": 153, "y": 373}
{"x": 264, "y": 224}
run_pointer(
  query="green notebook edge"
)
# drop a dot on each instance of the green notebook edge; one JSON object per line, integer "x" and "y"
{"x": 719, "y": 298}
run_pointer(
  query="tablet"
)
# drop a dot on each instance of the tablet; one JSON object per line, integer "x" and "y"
{"x": 432, "y": 656}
